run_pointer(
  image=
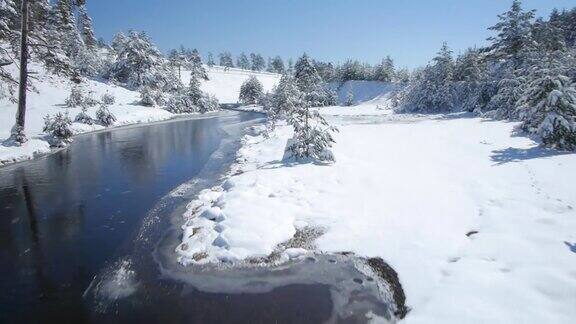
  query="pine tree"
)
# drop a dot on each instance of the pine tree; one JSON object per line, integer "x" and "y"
{"x": 385, "y": 70}
{"x": 513, "y": 34}
{"x": 138, "y": 62}
{"x": 210, "y": 60}
{"x": 85, "y": 25}
{"x": 278, "y": 65}
{"x": 251, "y": 91}
{"x": 242, "y": 62}
{"x": 548, "y": 107}
{"x": 258, "y": 63}
{"x": 226, "y": 60}
{"x": 432, "y": 89}
{"x": 197, "y": 69}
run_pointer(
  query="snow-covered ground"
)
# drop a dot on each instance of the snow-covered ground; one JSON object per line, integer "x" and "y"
{"x": 362, "y": 91}
{"x": 480, "y": 224}
{"x": 225, "y": 83}
{"x": 51, "y": 92}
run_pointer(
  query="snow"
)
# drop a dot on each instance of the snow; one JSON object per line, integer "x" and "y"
{"x": 362, "y": 91}
{"x": 412, "y": 190}
{"x": 51, "y": 92}
{"x": 225, "y": 83}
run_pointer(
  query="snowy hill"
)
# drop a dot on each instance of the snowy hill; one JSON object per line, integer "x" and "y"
{"x": 225, "y": 83}
{"x": 363, "y": 91}
{"x": 50, "y": 93}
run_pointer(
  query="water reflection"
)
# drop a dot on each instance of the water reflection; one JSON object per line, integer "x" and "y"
{"x": 63, "y": 216}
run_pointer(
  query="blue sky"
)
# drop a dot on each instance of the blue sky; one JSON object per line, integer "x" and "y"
{"x": 410, "y": 31}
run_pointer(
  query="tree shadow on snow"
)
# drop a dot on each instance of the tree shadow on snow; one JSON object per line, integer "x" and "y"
{"x": 571, "y": 246}
{"x": 513, "y": 154}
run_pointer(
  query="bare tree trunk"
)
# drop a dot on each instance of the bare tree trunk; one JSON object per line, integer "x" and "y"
{"x": 21, "y": 114}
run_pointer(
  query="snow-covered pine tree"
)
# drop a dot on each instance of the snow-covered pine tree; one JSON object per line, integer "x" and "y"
{"x": 104, "y": 116}
{"x": 258, "y": 62}
{"x": 8, "y": 20}
{"x": 385, "y": 70}
{"x": 349, "y": 98}
{"x": 513, "y": 35}
{"x": 432, "y": 89}
{"x": 85, "y": 24}
{"x": 83, "y": 117}
{"x": 242, "y": 62}
{"x": 251, "y": 91}
{"x": 210, "y": 60}
{"x": 119, "y": 41}
{"x": 548, "y": 106}
{"x": 307, "y": 78}
{"x": 312, "y": 137}
{"x": 138, "y": 62}
{"x": 196, "y": 67}
{"x": 59, "y": 128}
{"x": 284, "y": 99}
{"x": 226, "y": 60}
{"x": 278, "y": 65}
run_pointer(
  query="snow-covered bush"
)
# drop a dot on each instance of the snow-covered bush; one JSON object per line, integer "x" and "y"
{"x": 107, "y": 99}
{"x": 151, "y": 97}
{"x": 104, "y": 116}
{"x": 208, "y": 103}
{"x": 251, "y": 91}
{"x": 80, "y": 98}
{"x": 180, "y": 103}
{"x": 312, "y": 138}
{"x": 83, "y": 117}
{"x": 59, "y": 129}
{"x": 312, "y": 134}
{"x": 17, "y": 135}
{"x": 349, "y": 98}
{"x": 548, "y": 109}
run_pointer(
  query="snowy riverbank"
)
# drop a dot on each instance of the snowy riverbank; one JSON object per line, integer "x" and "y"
{"x": 50, "y": 93}
{"x": 479, "y": 223}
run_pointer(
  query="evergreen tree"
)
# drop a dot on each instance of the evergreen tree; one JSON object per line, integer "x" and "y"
{"x": 138, "y": 62}
{"x": 385, "y": 70}
{"x": 251, "y": 91}
{"x": 226, "y": 60}
{"x": 258, "y": 63}
{"x": 513, "y": 37}
{"x": 85, "y": 25}
{"x": 197, "y": 69}
{"x": 278, "y": 65}
{"x": 242, "y": 62}
{"x": 432, "y": 89}
{"x": 210, "y": 60}
{"x": 548, "y": 107}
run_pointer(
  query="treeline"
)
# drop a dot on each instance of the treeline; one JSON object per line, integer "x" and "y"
{"x": 384, "y": 71}
{"x": 254, "y": 62}
{"x": 526, "y": 73}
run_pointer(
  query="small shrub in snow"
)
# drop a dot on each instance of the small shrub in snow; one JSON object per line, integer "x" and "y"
{"x": 79, "y": 98}
{"x": 180, "y": 103}
{"x": 251, "y": 91}
{"x": 17, "y": 135}
{"x": 151, "y": 97}
{"x": 350, "y": 98}
{"x": 107, "y": 99}
{"x": 59, "y": 129}
{"x": 312, "y": 133}
{"x": 83, "y": 117}
{"x": 208, "y": 103}
{"x": 104, "y": 116}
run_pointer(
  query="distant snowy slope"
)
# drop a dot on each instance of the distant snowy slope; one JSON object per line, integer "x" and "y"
{"x": 49, "y": 95}
{"x": 225, "y": 84}
{"x": 362, "y": 91}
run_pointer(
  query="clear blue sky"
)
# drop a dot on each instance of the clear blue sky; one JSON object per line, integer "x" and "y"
{"x": 410, "y": 31}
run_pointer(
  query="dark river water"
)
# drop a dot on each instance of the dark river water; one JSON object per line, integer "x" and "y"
{"x": 80, "y": 231}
